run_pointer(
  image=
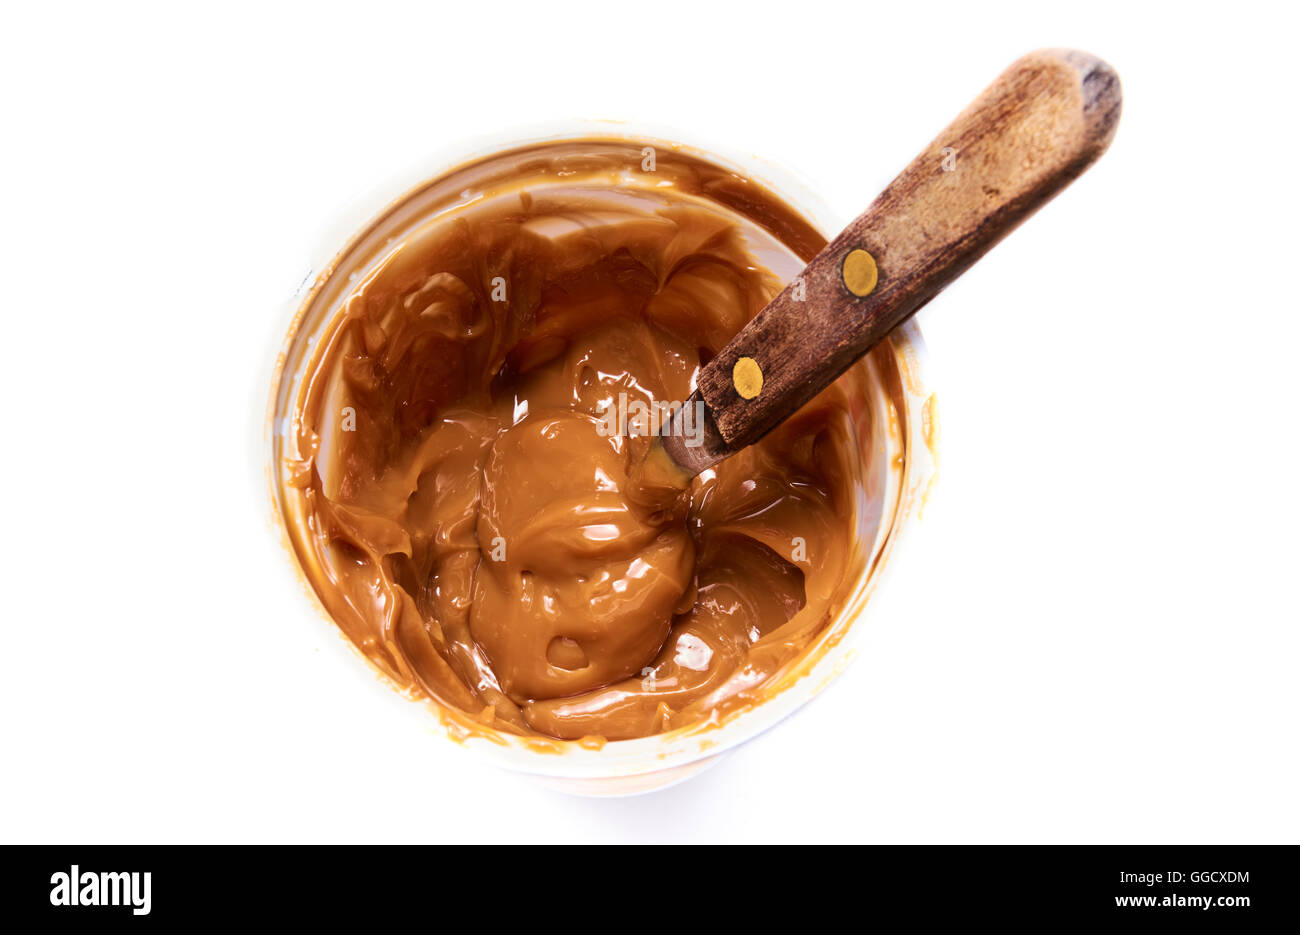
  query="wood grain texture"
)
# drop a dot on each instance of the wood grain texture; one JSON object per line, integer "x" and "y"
{"x": 1026, "y": 137}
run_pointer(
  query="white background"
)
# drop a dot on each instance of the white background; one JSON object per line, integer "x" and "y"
{"x": 1092, "y": 636}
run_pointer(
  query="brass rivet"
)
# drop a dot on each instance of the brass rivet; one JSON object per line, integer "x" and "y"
{"x": 747, "y": 376}
{"x": 860, "y": 272}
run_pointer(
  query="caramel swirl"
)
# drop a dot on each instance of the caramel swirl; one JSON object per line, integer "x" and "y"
{"x": 454, "y": 491}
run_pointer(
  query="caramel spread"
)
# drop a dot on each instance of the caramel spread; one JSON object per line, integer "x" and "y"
{"x": 452, "y": 485}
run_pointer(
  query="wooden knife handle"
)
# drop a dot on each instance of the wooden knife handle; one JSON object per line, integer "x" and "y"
{"x": 1031, "y": 133}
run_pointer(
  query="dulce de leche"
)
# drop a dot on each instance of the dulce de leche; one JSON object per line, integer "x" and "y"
{"x": 481, "y": 368}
